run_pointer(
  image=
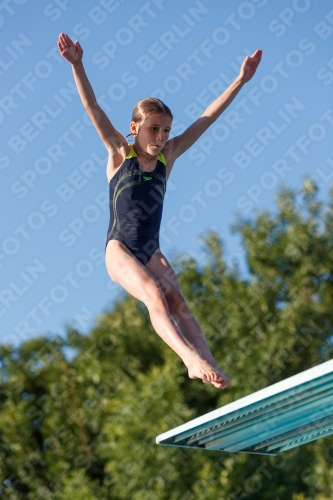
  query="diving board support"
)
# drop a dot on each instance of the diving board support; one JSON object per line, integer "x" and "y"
{"x": 290, "y": 413}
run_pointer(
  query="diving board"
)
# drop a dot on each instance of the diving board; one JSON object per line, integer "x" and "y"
{"x": 290, "y": 413}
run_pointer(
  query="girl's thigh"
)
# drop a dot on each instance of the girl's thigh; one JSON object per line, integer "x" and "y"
{"x": 161, "y": 269}
{"x": 125, "y": 270}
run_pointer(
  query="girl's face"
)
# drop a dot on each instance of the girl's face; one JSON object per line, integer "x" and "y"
{"x": 152, "y": 133}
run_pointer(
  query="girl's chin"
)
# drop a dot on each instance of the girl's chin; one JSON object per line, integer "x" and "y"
{"x": 154, "y": 149}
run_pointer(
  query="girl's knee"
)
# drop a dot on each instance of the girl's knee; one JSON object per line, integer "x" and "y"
{"x": 154, "y": 296}
{"x": 175, "y": 300}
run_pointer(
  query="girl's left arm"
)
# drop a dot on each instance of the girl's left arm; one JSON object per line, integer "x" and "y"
{"x": 178, "y": 145}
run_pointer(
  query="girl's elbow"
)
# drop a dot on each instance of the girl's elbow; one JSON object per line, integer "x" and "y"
{"x": 91, "y": 108}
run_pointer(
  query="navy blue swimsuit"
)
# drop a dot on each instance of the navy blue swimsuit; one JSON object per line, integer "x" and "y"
{"x": 136, "y": 204}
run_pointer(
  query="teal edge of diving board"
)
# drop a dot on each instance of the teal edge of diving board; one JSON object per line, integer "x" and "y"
{"x": 289, "y": 413}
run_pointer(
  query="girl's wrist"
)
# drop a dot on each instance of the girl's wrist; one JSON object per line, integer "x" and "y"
{"x": 240, "y": 80}
{"x": 77, "y": 63}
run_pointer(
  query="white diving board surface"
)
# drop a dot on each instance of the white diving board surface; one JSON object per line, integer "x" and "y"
{"x": 292, "y": 412}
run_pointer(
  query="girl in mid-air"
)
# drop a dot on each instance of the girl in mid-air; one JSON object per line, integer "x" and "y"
{"x": 137, "y": 174}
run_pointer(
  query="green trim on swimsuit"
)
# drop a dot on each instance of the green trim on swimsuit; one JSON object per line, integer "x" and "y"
{"x": 132, "y": 154}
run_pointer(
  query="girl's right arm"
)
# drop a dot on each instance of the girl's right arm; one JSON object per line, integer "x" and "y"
{"x": 113, "y": 140}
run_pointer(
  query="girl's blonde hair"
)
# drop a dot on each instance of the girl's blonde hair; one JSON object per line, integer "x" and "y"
{"x": 148, "y": 106}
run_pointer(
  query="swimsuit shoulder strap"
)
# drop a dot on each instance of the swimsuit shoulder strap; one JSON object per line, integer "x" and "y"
{"x": 131, "y": 153}
{"x": 161, "y": 157}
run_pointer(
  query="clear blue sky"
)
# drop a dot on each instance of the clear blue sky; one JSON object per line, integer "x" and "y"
{"x": 54, "y": 199}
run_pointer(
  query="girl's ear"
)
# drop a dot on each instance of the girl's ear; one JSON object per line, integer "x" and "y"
{"x": 134, "y": 128}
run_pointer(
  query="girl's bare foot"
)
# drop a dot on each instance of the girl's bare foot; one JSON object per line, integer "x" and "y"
{"x": 200, "y": 368}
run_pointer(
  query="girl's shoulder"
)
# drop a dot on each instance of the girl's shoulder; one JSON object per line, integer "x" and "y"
{"x": 116, "y": 159}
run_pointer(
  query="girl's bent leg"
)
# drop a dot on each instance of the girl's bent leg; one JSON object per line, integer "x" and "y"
{"x": 186, "y": 322}
{"x": 125, "y": 270}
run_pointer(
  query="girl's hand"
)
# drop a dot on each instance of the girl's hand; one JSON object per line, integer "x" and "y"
{"x": 249, "y": 66}
{"x": 69, "y": 51}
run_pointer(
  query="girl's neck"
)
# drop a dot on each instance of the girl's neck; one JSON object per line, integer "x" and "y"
{"x": 145, "y": 159}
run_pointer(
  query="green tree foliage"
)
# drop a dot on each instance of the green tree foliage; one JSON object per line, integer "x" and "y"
{"x": 84, "y": 426}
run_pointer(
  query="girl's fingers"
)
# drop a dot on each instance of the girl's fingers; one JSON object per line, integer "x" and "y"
{"x": 255, "y": 60}
{"x": 61, "y": 44}
{"x": 69, "y": 40}
{"x": 65, "y": 40}
{"x": 256, "y": 56}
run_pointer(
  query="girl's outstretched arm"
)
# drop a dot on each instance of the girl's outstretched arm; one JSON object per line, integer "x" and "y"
{"x": 178, "y": 145}
{"x": 113, "y": 140}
